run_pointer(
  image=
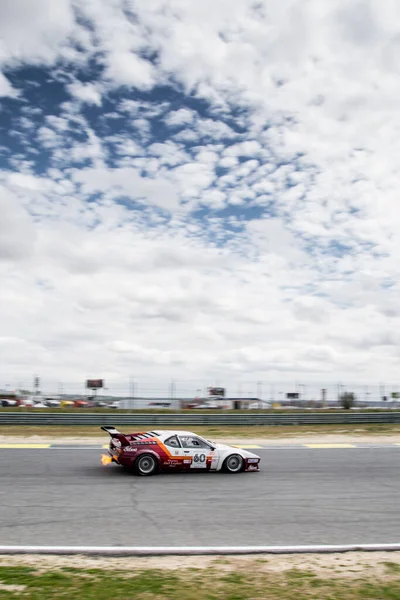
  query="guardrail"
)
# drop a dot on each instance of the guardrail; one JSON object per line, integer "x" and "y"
{"x": 179, "y": 420}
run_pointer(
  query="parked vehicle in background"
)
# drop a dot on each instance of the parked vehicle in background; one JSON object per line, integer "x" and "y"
{"x": 52, "y": 403}
{"x": 9, "y": 399}
{"x": 8, "y": 402}
{"x": 83, "y": 404}
{"x": 204, "y": 405}
{"x": 99, "y": 404}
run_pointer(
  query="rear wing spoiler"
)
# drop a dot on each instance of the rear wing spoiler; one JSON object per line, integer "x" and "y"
{"x": 111, "y": 430}
{"x": 114, "y": 433}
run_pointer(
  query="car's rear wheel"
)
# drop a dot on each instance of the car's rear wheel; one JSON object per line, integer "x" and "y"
{"x": 233, "y": 464}
{"x": 145, "y": 465}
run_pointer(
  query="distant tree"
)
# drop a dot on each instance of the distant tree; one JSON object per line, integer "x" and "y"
{"x": 347, "y": 400}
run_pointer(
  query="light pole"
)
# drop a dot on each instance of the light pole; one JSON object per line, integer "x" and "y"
{"x": 302, "y": 391}
{"x": 132, "y": 391}
{"x": 36, "y": 383}
{"x": 172, "y": 391}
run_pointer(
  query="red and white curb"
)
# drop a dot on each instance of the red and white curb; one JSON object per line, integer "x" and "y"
{"x": 195, "y": 550}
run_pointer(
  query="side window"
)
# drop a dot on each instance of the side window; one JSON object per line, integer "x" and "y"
{"x": 173, "y": 442}
{"x": 193, "y": 442}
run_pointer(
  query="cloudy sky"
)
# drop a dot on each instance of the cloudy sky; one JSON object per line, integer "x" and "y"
{"x": 203, "y": 190}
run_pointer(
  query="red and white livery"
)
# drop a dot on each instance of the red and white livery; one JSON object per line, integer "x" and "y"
{"x": 148, "y": 452}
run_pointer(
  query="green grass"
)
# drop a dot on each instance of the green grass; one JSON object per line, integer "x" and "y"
{"x": 392, "y": 567}
{"x": 193, "y": 584}
{"x": 210, "y": 431}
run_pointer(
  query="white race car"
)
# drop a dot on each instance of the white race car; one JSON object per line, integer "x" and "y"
{"x": 146, "y": 453}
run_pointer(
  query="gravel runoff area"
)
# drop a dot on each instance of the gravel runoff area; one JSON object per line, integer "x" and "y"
{"x": 351, "y": 564}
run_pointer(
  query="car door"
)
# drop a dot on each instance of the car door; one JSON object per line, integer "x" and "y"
{"x": 174, "y": 458}
{"x": 200, "y": 454}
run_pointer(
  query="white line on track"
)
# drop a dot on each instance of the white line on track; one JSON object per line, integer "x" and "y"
{"x": 195, "y": 550}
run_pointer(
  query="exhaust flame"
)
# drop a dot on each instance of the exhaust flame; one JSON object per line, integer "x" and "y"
{"x": 105, "y": 460}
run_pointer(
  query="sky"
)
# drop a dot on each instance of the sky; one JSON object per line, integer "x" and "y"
{"x": 199, "y": 190}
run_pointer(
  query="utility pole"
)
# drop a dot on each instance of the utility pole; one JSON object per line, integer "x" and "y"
{"x": 259, "y": 390}
{"x": 132, "y": 391}
{"x": 172, "y": 391}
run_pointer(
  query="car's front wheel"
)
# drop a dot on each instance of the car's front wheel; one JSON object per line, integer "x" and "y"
{"x": 233, "y": 464}
{"x": 145, "y": 465}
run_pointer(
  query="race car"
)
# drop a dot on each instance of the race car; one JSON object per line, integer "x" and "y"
{"x": 147, "y": 453}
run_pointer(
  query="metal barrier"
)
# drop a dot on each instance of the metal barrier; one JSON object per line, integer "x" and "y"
{"x": 179, "y": 420}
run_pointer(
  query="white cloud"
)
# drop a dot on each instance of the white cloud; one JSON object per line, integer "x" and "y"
{"x": 85, "y": 92}
{"x": 243, "y": 149}
{"x": 92, "y": 149}
{"x": 17, "y": 233}
{"x": 126, "y": 68}
{"x": 307, "y": 95}
{"x": 127, "y": 182}
{"x": 6, "y": 88}
{"x": 186, "y": 136}
{"x": 59, "y": 123}
{"x": 169, "y": 153}
{"x": 228, "y": 161}
{"x": 34, "y": 32}
{"x": 214, "y": 198}
{"x": 27, "y": 182}
{"x": 215, "y": 129}
{"x": 116, "y": 292}
{"x": 183, "y": 116}
{"x": 48, "y": 137}
{"x": 192, "y": 178}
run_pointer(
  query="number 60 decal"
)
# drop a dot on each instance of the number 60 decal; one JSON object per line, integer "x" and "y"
{"x": 199, "y": 458}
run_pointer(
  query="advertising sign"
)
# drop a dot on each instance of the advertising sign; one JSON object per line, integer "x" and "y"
{"x": 216, "y": 391}
{"x": 94, "y": 384}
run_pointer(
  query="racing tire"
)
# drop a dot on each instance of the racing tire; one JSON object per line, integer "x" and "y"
{"x": 234, "y": 463}
{"x": 146, "y": 465}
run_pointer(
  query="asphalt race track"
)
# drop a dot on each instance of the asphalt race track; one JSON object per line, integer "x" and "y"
{"x": 308, "y": 496}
